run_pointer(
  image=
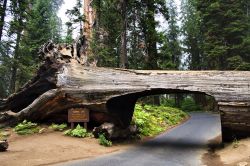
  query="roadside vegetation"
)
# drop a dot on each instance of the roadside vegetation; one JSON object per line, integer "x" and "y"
{"x": 187, "y": 104}
{"x": 26, "y": 127}
{"x": 79, "y": 132}
{"x": 103, "y": 141}
{"x": 152, "y": 120}
{"x": 3, "y": 135}
{"x": 58, "y": 127}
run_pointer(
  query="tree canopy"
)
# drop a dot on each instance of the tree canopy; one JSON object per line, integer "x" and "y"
{"x": 136, "y": 34}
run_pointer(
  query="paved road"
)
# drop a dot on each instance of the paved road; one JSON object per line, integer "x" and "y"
{"x": 181, "y": 146}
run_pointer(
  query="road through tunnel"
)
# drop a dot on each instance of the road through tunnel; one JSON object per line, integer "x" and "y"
{"x": 122, "y": 108}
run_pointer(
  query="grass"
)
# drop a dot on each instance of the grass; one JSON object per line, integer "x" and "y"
{"x": 152, "y": 120}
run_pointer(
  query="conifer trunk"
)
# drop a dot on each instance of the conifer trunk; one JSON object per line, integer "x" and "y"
{"x": 123, "y": 56}
{"x": 15, "y": 64}
{"x": 3, "y": 18}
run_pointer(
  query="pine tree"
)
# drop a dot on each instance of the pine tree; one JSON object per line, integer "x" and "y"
{"x": 123, "y": 54}
{"x": 173, "y": 36}
{"x": 133, "y": 33}
{"x": 76, "y": 17}
{"x": 18, "y": 9}
{"x": 32, "y": 23}
{"x": 225, "y": 30}
{"x": 3, "y": 7}
{"x": 107, "y": 33}
{"x": 192, "y": 37}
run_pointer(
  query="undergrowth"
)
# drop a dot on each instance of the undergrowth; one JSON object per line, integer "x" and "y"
{"x": 57, "y": 127}
{"x": 103, "y": 141}
{"x": 79, "y": 132}
{"x": 2, "y": 136}
{"x": 26, "y": 127}
{"x": 152, "y": 120}
{"x": 189, "y": 105}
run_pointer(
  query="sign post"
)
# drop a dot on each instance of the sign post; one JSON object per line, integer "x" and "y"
{"x": 77, "y": 115}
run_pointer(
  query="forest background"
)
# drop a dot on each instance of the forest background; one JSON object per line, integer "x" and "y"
{"x": 134, "y": 34}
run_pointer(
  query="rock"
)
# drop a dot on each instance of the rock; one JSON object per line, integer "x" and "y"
{"x": 113, "y": 132}
{"x": 3, "y": 145}
{"x": 41, "y": 130}
{"x": 242, "y": 164}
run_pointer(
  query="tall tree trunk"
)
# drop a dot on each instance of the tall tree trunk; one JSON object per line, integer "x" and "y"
{"x": 151, "y": 36}
{"x": 98, "y": 15}
{"x": 178, "y": 99}
{"x": 151, "y": 41}
{"x": 123, "y": 56}
{"x": 2, "y": 18}
{"x": 14, "y": 67}
{"x": 200, "y": 99}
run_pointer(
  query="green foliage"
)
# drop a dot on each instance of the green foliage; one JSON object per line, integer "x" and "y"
{"x": 151, "y": 120}
{"x": 103, "y": 141}
{"x": 30, "y": 24}
{"x": 168, "y": 102}
{"x": 225, "y": 32}
{"x": 79, "y": 132}
{"x": 26, "y": 127}
{"x": 75, "y": 18}
{"x": 235, "y": 143}
{"x": 4, "y": 134}
{"x": 189, "y": 105}
{"x": 142, "y": 35}
{"x": 173, "y": 47}
{"x": 58, "y": 127}
{"x": 192, "y": 36}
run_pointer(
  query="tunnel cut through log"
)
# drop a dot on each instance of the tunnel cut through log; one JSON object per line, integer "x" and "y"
{"x": 122, "y": 107}
{"x": 62, "y": 83}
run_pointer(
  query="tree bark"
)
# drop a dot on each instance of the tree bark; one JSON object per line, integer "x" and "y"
{"x": 150, "y": 36}
{"x": 200, "y": 99}
{"x": 15, "y": 63}
{"x": 3, "y": 13}
{"x": 123, "y": 55}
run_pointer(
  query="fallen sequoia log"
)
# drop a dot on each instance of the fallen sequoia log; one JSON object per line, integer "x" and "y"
{"x": 63, "y": 83}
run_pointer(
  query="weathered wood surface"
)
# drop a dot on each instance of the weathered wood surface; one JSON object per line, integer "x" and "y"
{"x": 110, "y": 94}
{"x": 227, "y": 86}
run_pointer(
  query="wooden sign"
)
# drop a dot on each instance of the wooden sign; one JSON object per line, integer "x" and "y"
{"x": 78, "y": 115}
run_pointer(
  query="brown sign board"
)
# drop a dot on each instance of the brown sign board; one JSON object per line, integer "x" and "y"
{"x": 78, "y": 115}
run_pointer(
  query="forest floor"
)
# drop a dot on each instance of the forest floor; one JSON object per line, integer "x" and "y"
{"x": 236, "y": 153}
{"x": 52, "y": 147}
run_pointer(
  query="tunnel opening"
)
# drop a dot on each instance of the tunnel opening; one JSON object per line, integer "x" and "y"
{"x": 125, "y": 108}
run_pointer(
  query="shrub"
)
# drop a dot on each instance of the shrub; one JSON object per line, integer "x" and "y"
{"x": 235, "y": 143}
{"x": 26, "y": 127}
{"x": 4, "y": 135}
{"x": 103, "y": 141}
{"x": 151, "y": 120}
{"x": 58, "y": 127}
{"x": 79, "y": 132}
